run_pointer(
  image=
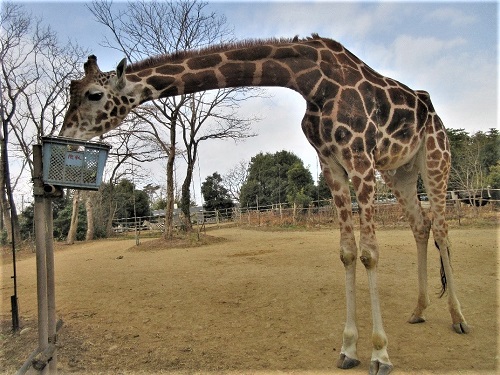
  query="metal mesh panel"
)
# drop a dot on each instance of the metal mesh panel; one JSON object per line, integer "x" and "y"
{"x": 89, "y": 170}
{"x": 56, "y": 161}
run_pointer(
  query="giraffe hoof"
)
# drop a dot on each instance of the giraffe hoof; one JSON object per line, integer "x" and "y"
{"x": 416, "y": 319}
{"x": 345, "y": 362}
{"x": 461, "y": 328}
{"x": 378, "y": 368}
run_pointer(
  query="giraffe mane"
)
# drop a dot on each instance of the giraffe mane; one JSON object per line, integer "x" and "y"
{"x": 154, "y": 61}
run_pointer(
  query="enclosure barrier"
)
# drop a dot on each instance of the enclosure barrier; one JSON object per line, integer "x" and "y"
{"x": 459, "y": 205}
{"x": 57, "y": 163}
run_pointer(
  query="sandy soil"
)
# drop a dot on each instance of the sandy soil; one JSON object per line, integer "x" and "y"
{"x": 256, "y": 302}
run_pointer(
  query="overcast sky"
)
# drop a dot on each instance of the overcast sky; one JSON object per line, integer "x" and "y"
{"x": 446, "y": 48}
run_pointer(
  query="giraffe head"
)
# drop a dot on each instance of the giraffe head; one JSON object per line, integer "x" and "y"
{"x": 98, "y": 102}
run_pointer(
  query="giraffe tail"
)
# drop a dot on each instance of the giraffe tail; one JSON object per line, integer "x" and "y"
{"x": 443, "y": 274}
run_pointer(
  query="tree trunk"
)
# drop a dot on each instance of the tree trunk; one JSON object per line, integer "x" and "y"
{"x": 109, "y": 224}
{"x": 294, "y": 215}
{"x": 186, "y": 197}
{"x": 169, "y": 209}
{"x": 6, "y": 198}
{"x": 6, "y": 216}
{"x": 89, "y": 236}
{"x": 112, "y": 206}
{"x": 8, "y": 219}
{"x": 74, "y": 219}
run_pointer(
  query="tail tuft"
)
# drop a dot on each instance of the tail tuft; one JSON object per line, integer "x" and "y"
{"x": 443, "y": 274}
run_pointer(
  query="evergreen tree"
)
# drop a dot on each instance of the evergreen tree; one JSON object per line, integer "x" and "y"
{"x": 215, "y": 194}
{"x": 267, "y": 179}
{"x": 489, "y": 144}
{"x": 300, "y": 188}
{"x": 62, "y": 222}
{"x": 126, "y": 196}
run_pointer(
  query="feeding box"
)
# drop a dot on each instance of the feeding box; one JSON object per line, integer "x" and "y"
{"x": 73, "y": 163}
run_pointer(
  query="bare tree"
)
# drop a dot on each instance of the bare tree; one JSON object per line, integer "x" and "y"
{"x": 70, "y": 239}
{"x": 467, "y": 175}
{"x": 210, "y": 115}
{"x": 134, "y": 145}
{"x": 89, "y": 208}
{"x": 155, "y": 115}
{"x": 149, "y": 28}
{"x": 234, "y": 179}
{"x": 35, "y": 71}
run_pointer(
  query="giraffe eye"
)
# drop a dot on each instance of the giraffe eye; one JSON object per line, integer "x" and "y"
{"x": 94, "y": 96}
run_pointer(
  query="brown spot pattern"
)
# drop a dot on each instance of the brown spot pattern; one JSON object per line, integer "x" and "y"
{"x": 357, "y": 119}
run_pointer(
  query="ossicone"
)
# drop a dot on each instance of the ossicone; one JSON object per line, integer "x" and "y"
{"x": 90, "y": 67}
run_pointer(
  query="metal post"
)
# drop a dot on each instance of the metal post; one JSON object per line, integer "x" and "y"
{"x": 13, "y": 298}
{"x": 51, "y": 295}
{"x": 44, "y": 359}
{"x": 41, "y": 257}
{"x": 47, "y": 326}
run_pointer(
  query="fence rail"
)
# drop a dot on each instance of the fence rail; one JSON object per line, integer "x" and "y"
{"x": 459, "y": 205}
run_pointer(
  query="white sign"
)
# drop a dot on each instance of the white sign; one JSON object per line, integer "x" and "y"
{"x": 74, "y": 158}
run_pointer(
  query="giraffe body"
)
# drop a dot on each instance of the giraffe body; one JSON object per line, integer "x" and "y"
{"x": 357, "y": 120}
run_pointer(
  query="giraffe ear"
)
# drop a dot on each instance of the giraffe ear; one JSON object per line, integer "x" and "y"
{"x": 120, "y": 74}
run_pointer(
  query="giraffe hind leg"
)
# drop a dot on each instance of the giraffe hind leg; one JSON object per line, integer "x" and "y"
{"x": 336, "y": 179}
{"x": 458, "y": 321}
{"x": 403, "y": 183}
{"x": 435, "y": 171}
{"x": 448, "y": 284}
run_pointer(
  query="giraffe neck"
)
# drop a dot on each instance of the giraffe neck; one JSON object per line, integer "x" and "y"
{"x": 293, "y": 65}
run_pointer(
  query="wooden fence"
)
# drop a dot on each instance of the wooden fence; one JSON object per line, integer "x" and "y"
{"x": 387, "y": 213}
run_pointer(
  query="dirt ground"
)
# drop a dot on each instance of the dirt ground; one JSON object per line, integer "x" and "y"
{"x": 255, "y": 302}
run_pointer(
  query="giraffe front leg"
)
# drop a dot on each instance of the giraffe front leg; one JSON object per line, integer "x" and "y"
{"x": 365, "y": 191}
{"x": 336, "y": 178}
{"x": 380, "y": 363}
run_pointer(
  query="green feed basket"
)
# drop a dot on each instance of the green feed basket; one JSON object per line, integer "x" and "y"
{"x": 73, "y": 163}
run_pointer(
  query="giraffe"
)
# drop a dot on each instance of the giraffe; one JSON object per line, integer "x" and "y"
{"x": 357, "y": 120}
